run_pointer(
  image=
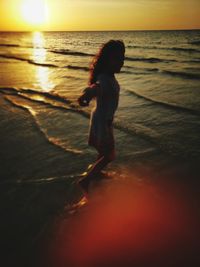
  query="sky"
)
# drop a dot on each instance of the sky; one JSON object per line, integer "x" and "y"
{"x": 70, "y": 15}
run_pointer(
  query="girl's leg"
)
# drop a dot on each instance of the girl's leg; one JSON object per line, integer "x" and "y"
{"x": 104, "y": 157}
{"x": 92, "y": 164}
{"x": 102, "y": 161}
{"x": 99, "y": 156}
{"x": 95, "y": 169}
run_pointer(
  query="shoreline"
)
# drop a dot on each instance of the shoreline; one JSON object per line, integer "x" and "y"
{"x": 30, "y": 211}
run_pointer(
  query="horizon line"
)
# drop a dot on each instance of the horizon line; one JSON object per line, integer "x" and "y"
{"x": 194, "y": 29}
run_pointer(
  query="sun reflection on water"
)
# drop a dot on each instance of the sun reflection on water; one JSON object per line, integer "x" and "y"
{"x": 39, "y": 56}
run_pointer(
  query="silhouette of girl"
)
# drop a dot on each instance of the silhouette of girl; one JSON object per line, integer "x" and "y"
{"x": 104, "y": 87}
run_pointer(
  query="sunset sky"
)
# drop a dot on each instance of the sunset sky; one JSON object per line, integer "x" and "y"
{"x": 64, "y": 15}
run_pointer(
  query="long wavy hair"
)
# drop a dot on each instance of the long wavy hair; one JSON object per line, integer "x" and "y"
{"x": 100, "y": 61}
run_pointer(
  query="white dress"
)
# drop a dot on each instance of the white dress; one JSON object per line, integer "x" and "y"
{"x": 101, "y": 128}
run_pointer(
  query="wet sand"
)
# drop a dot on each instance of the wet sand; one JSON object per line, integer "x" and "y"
{"x": 31, "y": 208}
{"x": 28, "y": 207}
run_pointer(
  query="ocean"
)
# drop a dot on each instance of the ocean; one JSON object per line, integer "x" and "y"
{"x": 44, "y": 132}
{"x": 159, "y": 109}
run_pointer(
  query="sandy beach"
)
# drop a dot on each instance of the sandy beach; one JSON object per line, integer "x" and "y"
{"x": 32, "y": 211}
{"x": 29, "y": 207}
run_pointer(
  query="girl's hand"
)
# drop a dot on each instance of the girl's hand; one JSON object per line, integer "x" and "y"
{"x": 82, "y": 101}
{"x": 88, "y": 93}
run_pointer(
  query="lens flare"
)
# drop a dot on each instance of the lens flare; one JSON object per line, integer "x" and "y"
{"x": 128, "y": 225}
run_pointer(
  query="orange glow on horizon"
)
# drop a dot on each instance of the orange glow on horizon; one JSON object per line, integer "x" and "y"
{"x": 49, "y": 15}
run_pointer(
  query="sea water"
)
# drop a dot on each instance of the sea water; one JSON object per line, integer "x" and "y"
{"x": 43, "y": 73}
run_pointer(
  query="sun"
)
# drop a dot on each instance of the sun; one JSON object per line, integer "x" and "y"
{"x": 35, "y": 12}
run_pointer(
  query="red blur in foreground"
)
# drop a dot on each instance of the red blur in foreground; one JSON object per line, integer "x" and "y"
{"x": 126, "y": 224}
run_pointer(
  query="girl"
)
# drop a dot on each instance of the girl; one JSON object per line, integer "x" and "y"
{"x": 105, "y": 88}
